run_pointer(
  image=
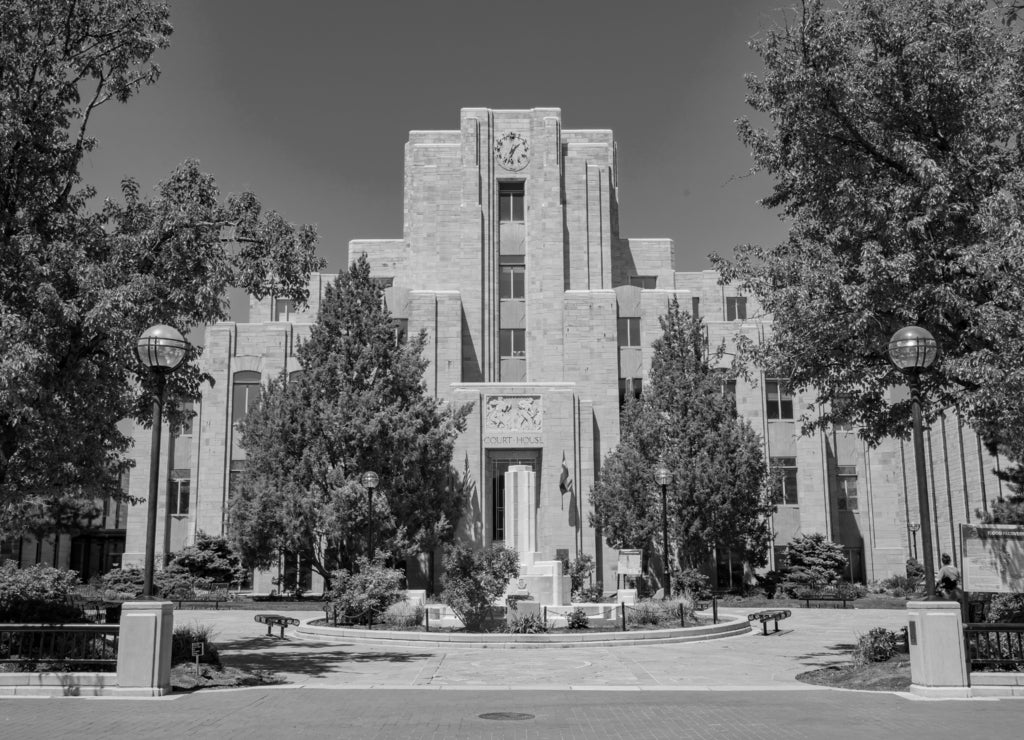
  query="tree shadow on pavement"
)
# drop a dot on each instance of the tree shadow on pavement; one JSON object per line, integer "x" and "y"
{"x": 304, "y": 659}
{"x": 838, "y": 652}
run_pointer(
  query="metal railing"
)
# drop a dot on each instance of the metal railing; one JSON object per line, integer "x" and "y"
{"x": 991, "y": 646}
{"x": 74, "y": 646}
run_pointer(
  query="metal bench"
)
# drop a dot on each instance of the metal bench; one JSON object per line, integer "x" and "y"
{"x": 769, "y": 615}
{"x": 276, "y": 620}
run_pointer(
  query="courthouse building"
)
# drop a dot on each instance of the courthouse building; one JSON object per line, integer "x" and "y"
{"x": 542, "y": 315}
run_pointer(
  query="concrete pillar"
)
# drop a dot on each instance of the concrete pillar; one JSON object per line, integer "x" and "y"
{"x": 938, "y": 665}
{"x": 144, "y": 646}
{"x": 521, "y": 511}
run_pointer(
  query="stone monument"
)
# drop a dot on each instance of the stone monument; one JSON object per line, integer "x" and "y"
{"x": 543, "y": 580}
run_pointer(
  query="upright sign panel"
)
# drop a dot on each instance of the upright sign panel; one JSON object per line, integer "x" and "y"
{"x": 630, "y": 562}
{"x": 993, "y": 558}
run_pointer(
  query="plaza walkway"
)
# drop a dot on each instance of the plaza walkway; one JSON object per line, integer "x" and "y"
{"x": 811, "y": 638}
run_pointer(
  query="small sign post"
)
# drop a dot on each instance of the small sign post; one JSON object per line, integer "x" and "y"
{"x": 198, "y": 648}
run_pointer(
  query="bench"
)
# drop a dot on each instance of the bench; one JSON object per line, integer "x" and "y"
{"x": 838, "y": 596}
{"x": 768, "y": 616}
{"x": 276, "y": 620}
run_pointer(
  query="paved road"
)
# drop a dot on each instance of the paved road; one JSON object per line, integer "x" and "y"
{"x": 378, "y": 714}
{"x": 742, "y": 687}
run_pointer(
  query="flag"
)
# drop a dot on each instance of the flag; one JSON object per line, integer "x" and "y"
{"x": 564, "y": 482}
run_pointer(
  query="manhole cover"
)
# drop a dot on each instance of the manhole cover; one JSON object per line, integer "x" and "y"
{"x": 506, "y": 715}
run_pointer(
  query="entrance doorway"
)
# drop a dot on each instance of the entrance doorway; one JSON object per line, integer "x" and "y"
{"x": 498, "y": 463}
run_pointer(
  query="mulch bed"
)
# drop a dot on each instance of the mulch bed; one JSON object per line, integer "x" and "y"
{"x": 890, "y": 675}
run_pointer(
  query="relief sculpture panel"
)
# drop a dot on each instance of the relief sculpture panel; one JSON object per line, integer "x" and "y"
{"x": 513, "y": 414}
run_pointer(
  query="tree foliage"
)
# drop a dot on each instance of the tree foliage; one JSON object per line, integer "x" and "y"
{"x": 358, "y": 405}
{"x": 719, "y": 495}
{"x": 473, "y": 579}
{"x": 212, "y": 558}
{"x": 813, "y": 561}
{"x": 894, "y": 142}
{"x": 78, "y": 283}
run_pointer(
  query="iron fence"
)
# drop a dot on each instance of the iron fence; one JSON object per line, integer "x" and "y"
{"x": 31, "y": 647}
{"x": 994, "y": 647}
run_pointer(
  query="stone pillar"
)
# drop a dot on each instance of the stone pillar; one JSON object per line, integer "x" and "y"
{"x": 521, "y": 511}
{"x": 938, "y": 665}
{"x": 144, "y": 646}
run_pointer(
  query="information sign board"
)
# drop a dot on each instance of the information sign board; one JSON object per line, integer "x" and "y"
{"x": 198, "y": 648}
{"x": 630, "y": 562}
{"x": 992, "y": 558}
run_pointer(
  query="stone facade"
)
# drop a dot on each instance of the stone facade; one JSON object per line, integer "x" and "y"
{"x": 536, "y": 310}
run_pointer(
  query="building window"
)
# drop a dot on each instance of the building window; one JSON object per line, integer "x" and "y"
{"x": 511, "y": 202}
{"x": 629, "y": 332}
{"x": 401, "y": 327}
{"x": 188, "y": 411}
{"x": 847, "y": 487}
{"x": 178, "y": 492}
{"x": 784, "y": 480}
{"x": 695, "y": 307}
{"x": 630, "y": 388}
{"x": 779, "y": 399}
{"x": 647, "y": 282}
{"x": 729, "y": 387}
{"x": 244, "y": 394}
{"x": 735, "y": 308}
{"x": 512, "y": 282}
{"x": 283, "y": 309}
{"x": 512, "y": 342}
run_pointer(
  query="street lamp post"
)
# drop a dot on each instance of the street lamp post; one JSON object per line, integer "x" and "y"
{"x": 370, "y": 481}
{"x": 160, "y": 348}
{"x": 664, "y": 476}
{"x": 913, "y": 350}
{"x": 914, "y": 527}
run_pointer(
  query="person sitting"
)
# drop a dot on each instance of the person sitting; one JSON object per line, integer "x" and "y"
{"x": 949, "y": 579}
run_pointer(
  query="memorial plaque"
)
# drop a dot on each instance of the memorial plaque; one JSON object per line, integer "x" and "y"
{"x": 630, "y": 562}
{"x": 993, "y": 558}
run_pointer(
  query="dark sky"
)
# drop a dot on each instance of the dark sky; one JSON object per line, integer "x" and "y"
{"x": 309, "y": 104}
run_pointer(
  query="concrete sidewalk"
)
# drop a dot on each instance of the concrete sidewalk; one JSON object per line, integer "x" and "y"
{"x": 811, "y": 638}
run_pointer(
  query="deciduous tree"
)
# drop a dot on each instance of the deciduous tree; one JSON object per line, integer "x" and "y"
{"x": 359, "y": 404}
{"x": 78, "y": 283}
{"x": 894, "y": 140}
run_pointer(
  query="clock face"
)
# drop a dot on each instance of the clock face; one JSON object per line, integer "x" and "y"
{"x": 512, "y": 151}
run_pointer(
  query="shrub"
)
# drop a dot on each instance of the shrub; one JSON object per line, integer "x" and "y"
{"x": 694, "y": 582}
{"x": 126, "y": 582}
{"x": 176, "y": 582}
{"x": 814, "y": 562}
{"x": 181, "y": 644}
{"x": 579, "y": 572}
{"x": 897, "y": 585}
{"x": 915, "y": 575}
{"x": 590, "y": 594}
{"x": 526, "y": 623}
{"x": 577, "y": 619}
{"x": 769, "y": 583}
{"x": 877, "y": 646}
{"x": 403, "y": 615}
{"x": 644, "y": 613}
{"x": 367, "y": 593}
{"x": 473, "y": 579}
{"x": 1006, "y": 608}
{"x": 37, "y": 594}
{"x": 210, "y": 558}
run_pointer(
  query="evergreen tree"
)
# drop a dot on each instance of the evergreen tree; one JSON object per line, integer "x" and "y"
{"x": 719, "y": 496}
{"x": 358, "y": 405}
